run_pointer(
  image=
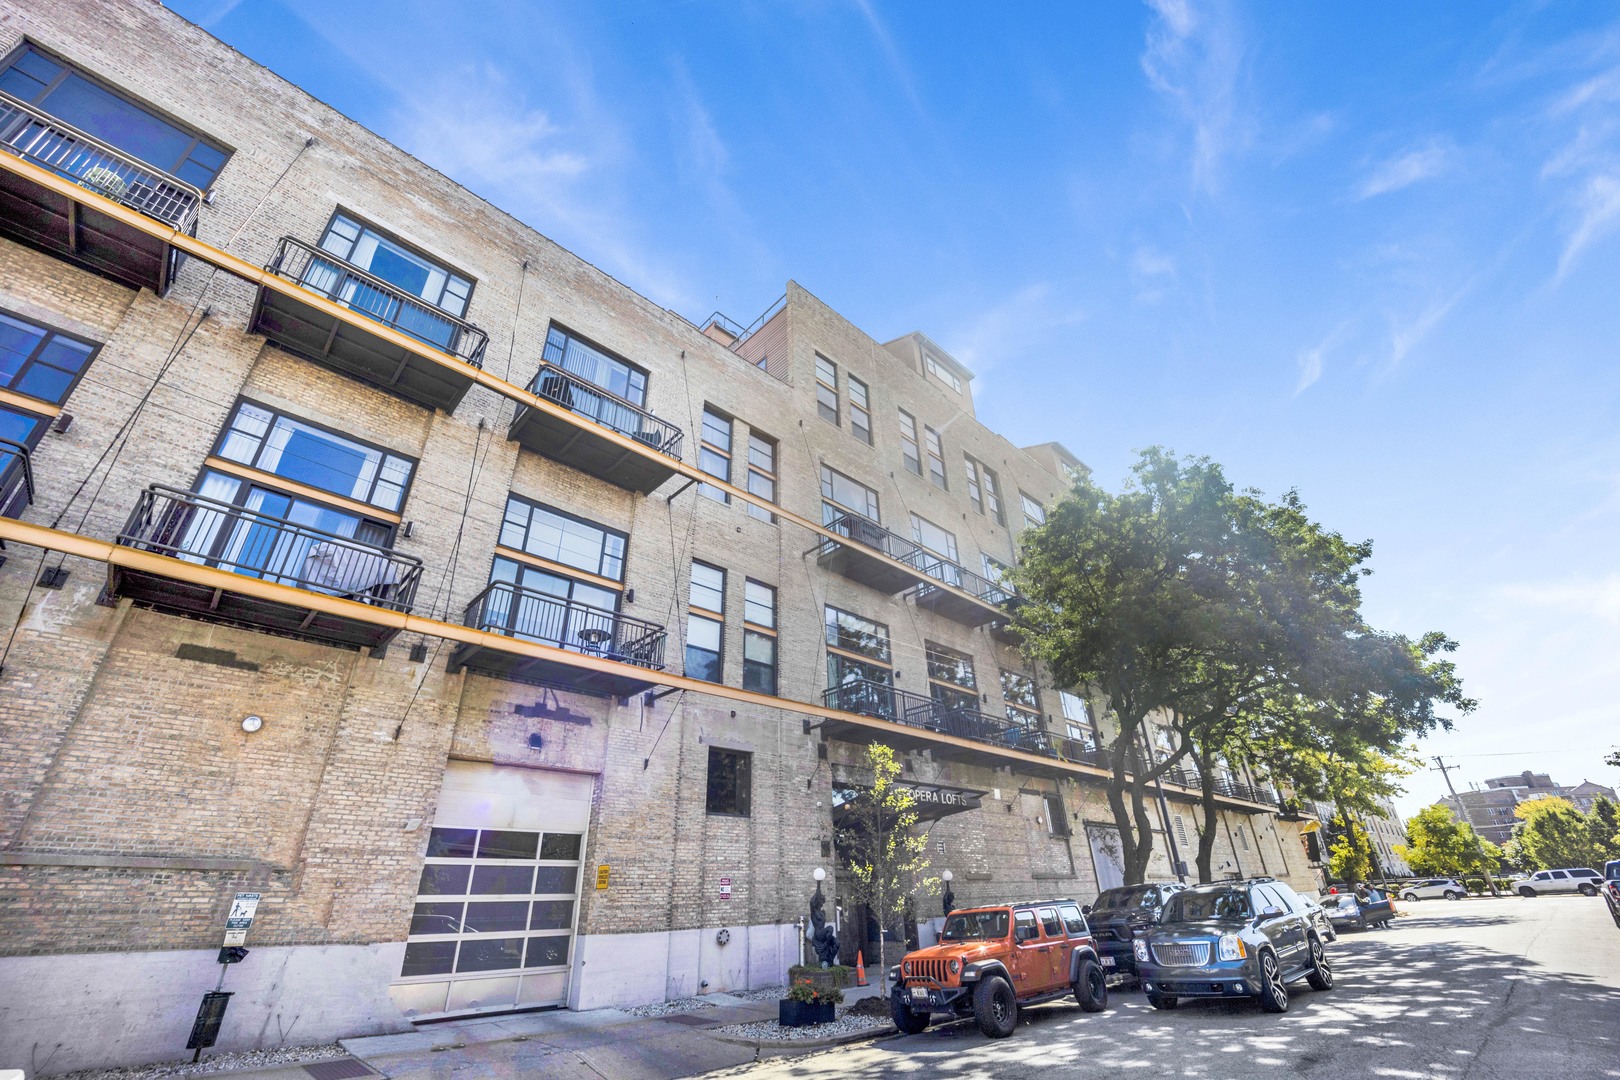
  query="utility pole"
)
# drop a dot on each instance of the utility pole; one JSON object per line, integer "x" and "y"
{"x": 1444, "y": 770}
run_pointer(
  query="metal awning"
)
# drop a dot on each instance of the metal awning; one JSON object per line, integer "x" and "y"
{"x": 933, "y": 801}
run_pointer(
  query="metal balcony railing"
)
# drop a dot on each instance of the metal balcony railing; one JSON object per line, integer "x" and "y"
{"x": 188, "y": 526}
{"x": 870, "y": 698}
{"x": 342, "y": 282}
{"x": 45, "y": 141}
{"x": 584, "y": 398}
{"x": 975, "y": 585}
{"x": 868, "y": 533}
{"x": 511, "y": 610}
{"x": 16, "y": 478}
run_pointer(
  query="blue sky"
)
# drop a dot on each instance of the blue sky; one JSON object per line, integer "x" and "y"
{"x": 1364, "y": 250}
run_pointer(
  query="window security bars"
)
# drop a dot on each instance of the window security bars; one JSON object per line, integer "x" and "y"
{"x": 513, "y": 611}
{"x": 39, "y": 138}
{"x": 188, "y": 526}
{"x": 585, "y": 398}
{"x": 344, "y": 283}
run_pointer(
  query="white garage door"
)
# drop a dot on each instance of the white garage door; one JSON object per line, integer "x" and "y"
{"x": 493, "y": 925}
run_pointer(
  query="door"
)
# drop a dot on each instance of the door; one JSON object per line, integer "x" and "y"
{"x": 1107, "y": 856}
{"x": 1286, "y": 931}
{"x": 493, "y": 924}
{"x": 1031, "y": 967}
{"x": 1058, "y": 948}
{"x": 1559, "y": 882}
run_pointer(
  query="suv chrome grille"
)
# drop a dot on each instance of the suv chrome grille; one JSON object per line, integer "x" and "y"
{"x": 1182, "y": 954}
{"x": 928, "y": 969}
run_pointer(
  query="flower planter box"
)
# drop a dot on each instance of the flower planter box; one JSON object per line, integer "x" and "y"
{"x": 823, "y": 979}
{"x": 792, "y": 1013}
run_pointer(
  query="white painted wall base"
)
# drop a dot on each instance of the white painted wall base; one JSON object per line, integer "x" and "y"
{"x": 638, "y": 969}
{"x": 87, "y": 1010}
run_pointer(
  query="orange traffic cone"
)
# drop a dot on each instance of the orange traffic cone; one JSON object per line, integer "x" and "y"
{"x": 860, "y": 968}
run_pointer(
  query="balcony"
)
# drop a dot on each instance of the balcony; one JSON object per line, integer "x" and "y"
{"x": 994, "y": 600}
{"x": 352, "y": 347}
{"x": 588, "y": 447}
{"x": 516, "y": 612}
{"x": 81, "y": 231}
{"x": 197, "y": 531}
{"x": 16, "y": 479}
{"x": 876, "y": 557}
{"x": 923, "y": 714}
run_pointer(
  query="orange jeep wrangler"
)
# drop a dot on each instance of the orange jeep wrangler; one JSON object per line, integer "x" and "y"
{"x": 992, "y": 961}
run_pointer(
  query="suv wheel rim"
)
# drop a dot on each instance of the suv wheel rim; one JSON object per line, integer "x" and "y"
{"x": 998, "y": 1007}
{"x": 1279, "y": 992}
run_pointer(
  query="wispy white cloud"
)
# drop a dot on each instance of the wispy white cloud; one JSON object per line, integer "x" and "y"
{"x": 1597, "y": 213}
{"x": 1024, "y": 321}
{"x": 891, "y": 52}
{"x": 216, "y": 14}
{"x": 1590, "y": 598}
{"x": 1194, "y": 58}
{"x": 1406, "y": 334}
{"x": 1312, "y": 361}
{"x": 1404, "y": 170}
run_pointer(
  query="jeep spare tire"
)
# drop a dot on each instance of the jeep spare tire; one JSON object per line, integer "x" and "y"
{"x": 1091, "y": 985}
{"x": 995, "y": 1007}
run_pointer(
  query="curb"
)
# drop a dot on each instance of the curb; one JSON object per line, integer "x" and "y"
{"x": 808, "y": 1044}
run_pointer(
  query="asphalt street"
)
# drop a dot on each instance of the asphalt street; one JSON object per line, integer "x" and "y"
{"x": 1478, "y": 989}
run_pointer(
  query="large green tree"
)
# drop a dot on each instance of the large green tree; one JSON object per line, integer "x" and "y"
{"x": 1551, "y": 833}
{"x": 1350, "y": 859}
{"x": 1437, "y": 843}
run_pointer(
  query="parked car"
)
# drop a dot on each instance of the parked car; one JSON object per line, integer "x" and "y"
{"x": 1120, "y": 914}
{"x": 1611, "y": 888}
{"x": 1440, "y": 888}
{"x": 1581, "y": 879}
{"x": 1233, "y": 939}
{"x": 992, "y": 961}
{"x": 1355, "y": 912}
{"x": 1319, "y": 917}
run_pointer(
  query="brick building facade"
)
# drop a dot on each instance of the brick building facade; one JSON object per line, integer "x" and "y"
{"x": 368, "y": 551}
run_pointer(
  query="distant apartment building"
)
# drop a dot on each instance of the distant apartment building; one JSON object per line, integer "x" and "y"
{"x": 1490, "y": 810}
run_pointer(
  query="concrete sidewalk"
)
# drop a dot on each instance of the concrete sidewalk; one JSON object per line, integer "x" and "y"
{"x": 562, "y": 1044}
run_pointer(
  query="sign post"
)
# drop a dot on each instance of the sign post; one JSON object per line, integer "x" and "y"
{"x": 211, "y": 1013}
{"x": 725, "y": 888}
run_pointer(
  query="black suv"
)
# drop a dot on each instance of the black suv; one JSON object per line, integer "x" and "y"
{"x": 1120, "y": 914}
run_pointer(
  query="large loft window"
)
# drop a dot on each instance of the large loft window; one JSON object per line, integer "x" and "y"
{"x": 714, "y": 453}
{"x": 562, "y": 538}
{"x": 841, "y": 493}
{"x": 910, "y": 452}
{"x": 17, "y": 429}
{"x": 940, "y": 541}
{"x": 89, "y": 105}
{"x": 263, "y": 439}
{"x": 552, "y": 609}
{"x": 858, "y": 664}
{"x": 365, "y": 247}
{"x": 827, "y": 389}
{"x": 942, "y": 373}
{"x": 596, "y": 366}
{"x": 762, "y": 473}
{"x": 853, "y": 634}
{"x": 705, "y": 623}
{"x": 1034, "y": 512}
{"x": 951, "y": 678}
{"x": 759, "y": 637}
{"x": 1022, "y": 701}
{"x": 936, "y": 457}
{"x": 860, "y": 411}
{"x": 38, "y": 361}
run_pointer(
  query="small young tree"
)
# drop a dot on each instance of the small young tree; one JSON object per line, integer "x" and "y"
{"x": 1350, "y": 858}
{"x": 887, "y": 860}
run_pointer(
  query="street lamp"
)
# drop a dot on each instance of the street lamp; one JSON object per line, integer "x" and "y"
{"x": 820, "y": 875}
{"x": 948, "y": 901}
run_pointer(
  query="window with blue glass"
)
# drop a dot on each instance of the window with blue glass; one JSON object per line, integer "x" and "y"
{"x": 38, "y": 361}
{"x": 261, "y": 438}
{"x": 19, "y": 431}
{"x": 596, "y": 366}
{"x": 70, "y": 95}
{"x": 410, "y": 272}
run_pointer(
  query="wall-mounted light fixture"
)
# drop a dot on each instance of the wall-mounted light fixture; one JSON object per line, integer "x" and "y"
{"x": 250, "y": 724}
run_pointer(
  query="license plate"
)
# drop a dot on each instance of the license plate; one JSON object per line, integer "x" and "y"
{"x": 1108, "y": 961}
{"x": 919, "y": 993}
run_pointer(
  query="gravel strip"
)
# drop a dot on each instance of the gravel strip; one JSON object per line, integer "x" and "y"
{"x": 771, "y": 1031}
{"x": 247, "y": 1059}
{"x": 665, "y": 1008}
{"x": 768, "y": 993}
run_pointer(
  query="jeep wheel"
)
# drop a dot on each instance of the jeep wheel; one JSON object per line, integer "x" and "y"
{"x": 1588, "y": 889}
{"x": 995, "y": 1007}
{"x": 1453, "y": 894}
{"x": 1527, "y": 892}
{"x": 1091, "y": 986}
{"x": 1161, "y": 1001}
{"x": 907, "y": 1020}
{"x": 1273, "y": 991}
{"x": 1321, "y": 975}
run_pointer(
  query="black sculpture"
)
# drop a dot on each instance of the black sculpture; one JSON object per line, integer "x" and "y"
{"x": 949, "y": 899}
{"x": 823, "y": 938}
